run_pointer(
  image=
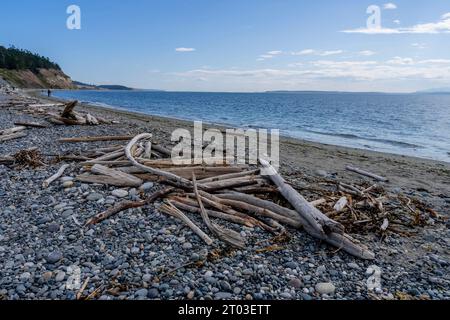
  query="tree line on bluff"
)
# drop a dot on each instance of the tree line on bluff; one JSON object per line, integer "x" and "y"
{"x": 18, "y": 59}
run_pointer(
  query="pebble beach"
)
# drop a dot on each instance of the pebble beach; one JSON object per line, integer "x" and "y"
{"x": 142, "y": 254}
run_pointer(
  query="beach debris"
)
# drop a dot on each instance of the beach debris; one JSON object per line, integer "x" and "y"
{"x": 12, "y": 133}
{"x": 341, "y": 204}
{"x": 69, "y": 117}
{"x": 57, "y": 175}
{"x": 24, "y": 158}
{"x": 366, "y": 173}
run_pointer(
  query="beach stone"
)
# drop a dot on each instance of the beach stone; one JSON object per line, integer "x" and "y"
{"x": 225, "y": 286}
{"x": 142, "y": 293}
{"x": 325, "y": 288}
{"x": 190, "y": 295}
{"x": 353, "y": 265}
{"x": 295, "y": 283}
{"x": 53, "y": 227}
{"x": 65, "y": 179}
{"x": 291, "y": 265}
{"x": 25, "y": 276}
{"x": 68, "y": 184}
{"x": 223, "y": 295}
{"x": 54, "y": 257}
{"x": 120, "y": 193}
{"x": 147, "y": 186}
{"x": 153, "y": 293}
{"x": 60, "y": 276}
{"x": 47, "y": 276}
{"x": 321, "y": 173}
{"x": 187, "y": 246}
{"x": 94, "y": 196}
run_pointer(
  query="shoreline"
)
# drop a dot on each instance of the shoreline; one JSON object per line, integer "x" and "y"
{"x": 185, "y": 122}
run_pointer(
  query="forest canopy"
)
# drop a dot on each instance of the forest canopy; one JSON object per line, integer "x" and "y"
{"x": 18, "y": 59}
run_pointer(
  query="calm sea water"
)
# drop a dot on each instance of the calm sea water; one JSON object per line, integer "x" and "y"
{"x": 408, "y": 124}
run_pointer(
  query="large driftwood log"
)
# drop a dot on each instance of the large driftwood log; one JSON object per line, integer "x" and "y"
{"x": 68, "y": 110}
{"x": 337, "y": 239}
{"x": 315, "y": 218}
{"x": 127, "y": 179}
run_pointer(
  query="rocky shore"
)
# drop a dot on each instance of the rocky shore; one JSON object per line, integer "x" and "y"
{"x": 46, "y": 253}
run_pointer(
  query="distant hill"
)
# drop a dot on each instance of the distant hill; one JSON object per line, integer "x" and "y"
{"x": 24, "y": 69}
{"x": 81, "y": 85}
{"x": 435, "y": 90}
{"x": 318, "y": 91}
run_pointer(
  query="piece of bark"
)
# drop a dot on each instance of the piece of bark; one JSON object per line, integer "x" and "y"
{"x": 121, "y": 206}
{"x": 366, "y": 173}
{"x": 127, "y": 179}
{"x": 57, "y": 175}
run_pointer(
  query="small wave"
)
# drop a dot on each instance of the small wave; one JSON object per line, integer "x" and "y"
{"x": 356, "y": 137}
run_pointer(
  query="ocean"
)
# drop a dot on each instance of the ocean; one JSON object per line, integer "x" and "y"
{"x": 406, "y": 124}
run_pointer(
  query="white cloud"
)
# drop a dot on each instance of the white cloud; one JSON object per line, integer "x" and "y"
{"x": 307, "y": 52}
{"x": 275, "y": 52}
{"x": 390, "y": 6}
{"x": 304, "y": 52}
{"x": 441, "y": 26}
{"x": 367, "y": 53}
{"x": 397, "y": 22}
{"x": 185, "y": 49}
{"x": 401, "y": 61}
{"x": 397, "y": 69}
{"x": 330, "y": 53}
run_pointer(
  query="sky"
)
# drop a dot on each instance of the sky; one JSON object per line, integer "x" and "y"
{"x": 240, "y": 45}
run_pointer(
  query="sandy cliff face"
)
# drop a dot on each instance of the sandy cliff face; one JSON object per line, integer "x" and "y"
{"x": 45, "y": 78}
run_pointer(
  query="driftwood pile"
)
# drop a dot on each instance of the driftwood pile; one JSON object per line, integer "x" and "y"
{"x": 67, "y": 116}
{"x": 239, "y": 194}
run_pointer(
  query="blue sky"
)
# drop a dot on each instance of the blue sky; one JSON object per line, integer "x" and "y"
{"x": 245, "y": 45}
